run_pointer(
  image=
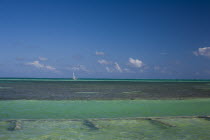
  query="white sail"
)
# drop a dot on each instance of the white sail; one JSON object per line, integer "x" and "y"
{"x": 74, "y": 77}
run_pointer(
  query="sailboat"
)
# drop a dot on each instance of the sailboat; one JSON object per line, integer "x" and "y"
{"x": 74, "y": 77}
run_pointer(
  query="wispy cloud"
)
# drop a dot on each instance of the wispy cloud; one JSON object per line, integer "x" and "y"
{"x": 135, "y": 62}
{"x": 104, "y": 62}
{"x": 50, "y": 68}
{"x": 100, "y": 53}
{"x": 114, "y": 68}
{"x": 37, "y": 64}
{"x": 205, "y": 51}
{"x": 79, "y": 68}
{"x": 109, "y": 69}
{"x": 117, "y": 67}
{"x": 42, "y": 58}
{"x": 127, "y": 70}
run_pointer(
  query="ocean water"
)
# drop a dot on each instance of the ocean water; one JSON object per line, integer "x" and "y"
{"x": 105, "y": 109}
{"x": 66, "y": 89}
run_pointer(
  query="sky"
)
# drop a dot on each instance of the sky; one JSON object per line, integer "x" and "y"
{"x": 155, "y": 39}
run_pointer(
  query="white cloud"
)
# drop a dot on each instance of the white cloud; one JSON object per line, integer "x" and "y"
{"x": 37, "y": 64}
{"x": 79, "y": 68}
{"x": 117, "y": 67}
{"x": 42, "y": 58}
{"x": 104, "y": 62}
{"x": 205, "y": 51}
{"x": 50, "y": 68}
{"x": 127, "y": 70}
{"x": 100, "y": 53}
{"x": 135, "y": 62}
{"x": 108, "y": 69}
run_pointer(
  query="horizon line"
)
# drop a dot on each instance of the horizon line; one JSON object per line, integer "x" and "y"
{"x": 106, "y": 78}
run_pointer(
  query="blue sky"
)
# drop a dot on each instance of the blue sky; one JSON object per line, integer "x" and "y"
{"x": 105, "y": 39}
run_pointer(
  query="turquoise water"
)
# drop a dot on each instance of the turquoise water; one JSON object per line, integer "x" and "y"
{"x": 41, "y": 109}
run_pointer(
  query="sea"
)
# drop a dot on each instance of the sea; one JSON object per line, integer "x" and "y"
{"x": 105, "y": 109}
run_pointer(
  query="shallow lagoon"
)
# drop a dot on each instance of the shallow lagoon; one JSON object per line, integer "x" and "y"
{"x": 62, "y": 109}
{"x": 131, "y": 129}
{"x": 65, "y": 109}
{"x": 115, "y": 119}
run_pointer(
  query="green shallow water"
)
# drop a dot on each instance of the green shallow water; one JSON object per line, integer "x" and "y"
{"x": 66, "y": 109}
{"x": 131, "y": 129}
{"x": 56, "y": 116}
